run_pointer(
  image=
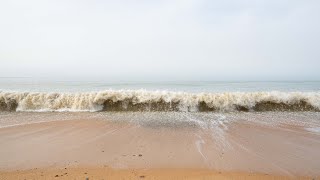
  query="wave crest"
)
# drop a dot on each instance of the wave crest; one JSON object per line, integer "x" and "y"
{"x": 141, "y": 100}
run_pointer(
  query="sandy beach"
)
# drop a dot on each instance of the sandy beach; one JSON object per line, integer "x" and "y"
{"x": 159, "y": 90}
{"x": 113, "y": 150}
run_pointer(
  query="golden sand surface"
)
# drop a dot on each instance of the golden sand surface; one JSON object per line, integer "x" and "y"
{"x": 96, "y": 149}
{"x": 105, "y": 173}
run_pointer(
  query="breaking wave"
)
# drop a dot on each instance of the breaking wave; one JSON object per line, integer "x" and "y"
{"x": 142, "y": 100}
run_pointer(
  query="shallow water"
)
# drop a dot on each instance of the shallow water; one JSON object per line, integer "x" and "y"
{"x": 308, "y": 120}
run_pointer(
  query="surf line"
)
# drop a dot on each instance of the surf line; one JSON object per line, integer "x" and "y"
{"x": 199, "y": 144}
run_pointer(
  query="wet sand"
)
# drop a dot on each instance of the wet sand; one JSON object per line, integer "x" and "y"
{"x": 121, "y": 149}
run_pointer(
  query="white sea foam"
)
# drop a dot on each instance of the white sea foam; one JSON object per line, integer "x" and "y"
{"x": 181, "y": 101}
{"x": 313, "y": 129}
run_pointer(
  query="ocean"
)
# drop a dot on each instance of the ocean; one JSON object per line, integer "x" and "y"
{"x": 43, "y": 95}
{"x": 167, "y": 103}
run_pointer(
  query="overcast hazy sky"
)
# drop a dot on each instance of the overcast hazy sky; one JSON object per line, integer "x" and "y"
{"x": 145, "y": 39}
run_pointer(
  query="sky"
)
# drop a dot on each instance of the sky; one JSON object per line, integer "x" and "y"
{"x": 161, "y": 40}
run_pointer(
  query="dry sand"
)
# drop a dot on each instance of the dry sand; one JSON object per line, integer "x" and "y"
{"x": 113, "y": 150}
{"x": 107, "y": 174}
